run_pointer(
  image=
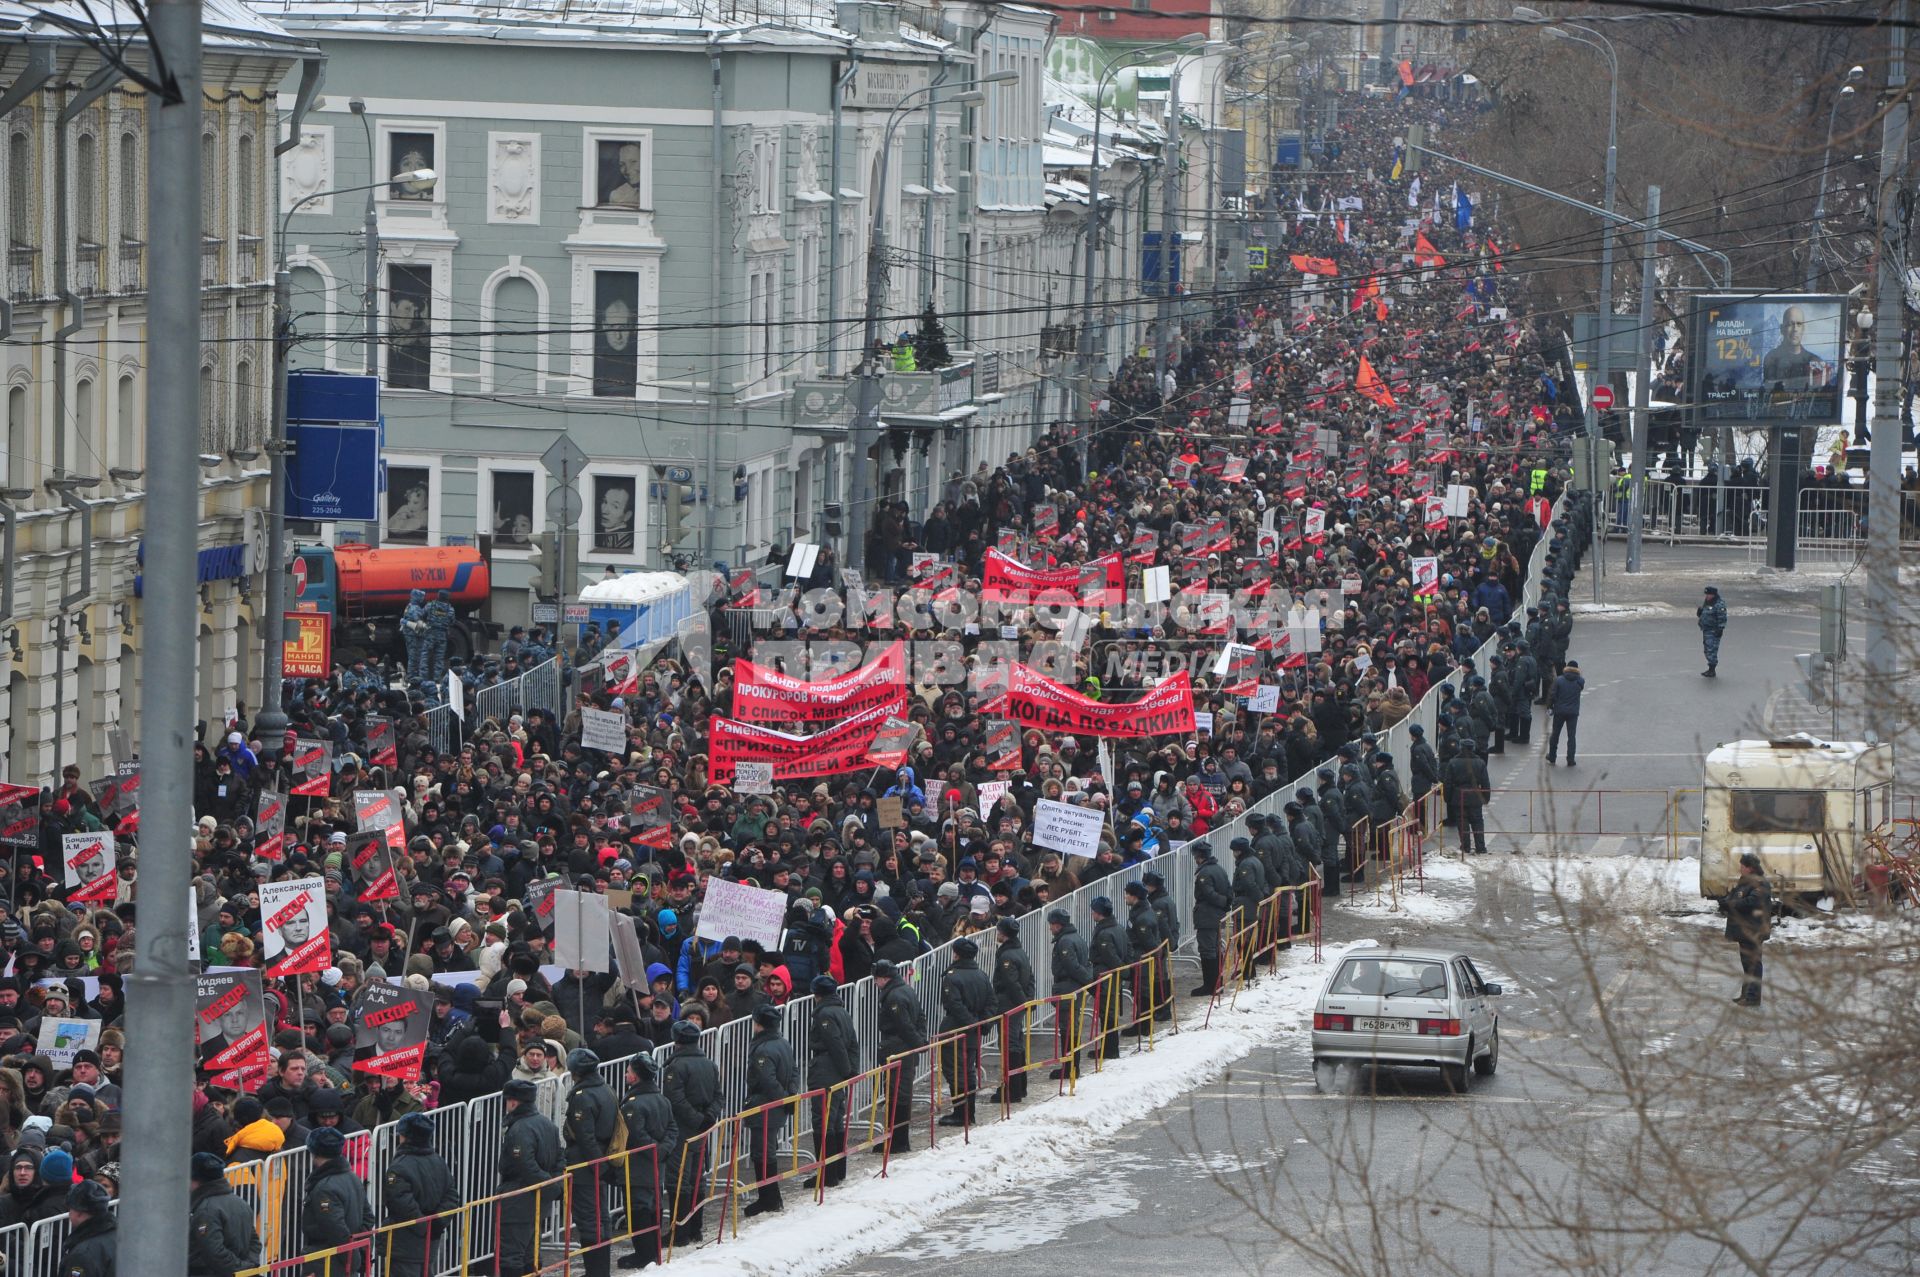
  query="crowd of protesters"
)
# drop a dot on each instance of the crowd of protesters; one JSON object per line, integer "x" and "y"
{"x": 1327, "y": 511}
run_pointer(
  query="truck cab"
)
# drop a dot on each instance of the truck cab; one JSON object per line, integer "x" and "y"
{"x": 1805, "y": 806}
{"x": 365, "y": 591}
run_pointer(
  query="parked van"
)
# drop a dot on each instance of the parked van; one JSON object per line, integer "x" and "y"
{"x": 1804, "y": 806}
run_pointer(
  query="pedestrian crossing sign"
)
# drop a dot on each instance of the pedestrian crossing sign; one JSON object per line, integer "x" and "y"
{"x": 1257, "y": 258}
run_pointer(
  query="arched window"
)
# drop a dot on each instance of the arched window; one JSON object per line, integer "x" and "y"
{"x": 22, "y": 219}
{"x": 127, "y": 442}
{"x": 86, "y": 190}
{"x": 210, "y": 434}
{"x": 210, "y": 192}
{"x": 19, "y": 460}
{"x": 87, "y": 438}
{"x": 246, "y": 414}
{"x": 244, "y": 185}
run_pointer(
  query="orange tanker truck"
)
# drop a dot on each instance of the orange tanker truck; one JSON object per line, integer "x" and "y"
{"x": 365, "y": 591}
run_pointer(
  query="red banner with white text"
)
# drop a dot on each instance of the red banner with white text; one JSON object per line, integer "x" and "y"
{"x": 1034, "y": 700}
{"x": 841, "y": 748}
{"x": 761, "y": 695}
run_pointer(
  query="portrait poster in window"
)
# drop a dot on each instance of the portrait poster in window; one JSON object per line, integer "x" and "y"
{"x": 616, "y": 310}
{"x": 613, "y": 497}
{"x": 408, "y": 511}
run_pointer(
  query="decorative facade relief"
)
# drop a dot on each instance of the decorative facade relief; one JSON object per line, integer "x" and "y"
{"x": 307, "y": 169}
{"x": 513, "y": 178}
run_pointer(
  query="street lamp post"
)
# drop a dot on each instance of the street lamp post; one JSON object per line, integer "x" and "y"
{"x": 866, "y": 416}
{"x": 1082, "y": 409}
{"x": 272, "y": 718}
{"x": 1814, "y": 250}
{"x": 1603, "y": 358}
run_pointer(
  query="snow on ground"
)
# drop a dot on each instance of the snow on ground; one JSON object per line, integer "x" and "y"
{"x": 1045, "y": 1138}
{"x": 1622, "y": 611}
{"x": 1445, "y": 896}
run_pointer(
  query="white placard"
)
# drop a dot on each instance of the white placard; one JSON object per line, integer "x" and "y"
{"x": 1074, "y": 831}
{"x": 1158, "y": 584}
{"x": 800, "y": 562}
{"x": 752, "y": 778}
{"x": 293, "y": 926}
{"x": 63, "y": 1037}
{"x": 990, "y": 792}
{"x": 604, "y": 730}
{"x": 1426, "y": 574}
{"x": 628, "y": 956}
{"x": 581, "y": 933}
{"x": 736, "y": 909}
{"x": 88, "y": 862}
{"x": 1459, "y": 500}
{"x": 1265, "y": 699}
{"x": 456, "y": 696}
{"x": 1203, "y": 722}
{"x": 193, "y": 927}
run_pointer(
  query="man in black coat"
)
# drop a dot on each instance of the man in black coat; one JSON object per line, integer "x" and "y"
{"x": 529, "y": 1156}
{"x": 691, "y": 1084}
{"x": 1212, "y": 902}
{"x": 1168, "y": 915}
{"x": 903, "y": 1032}
{"x": 221, "y": 1239}
{"x": 1013, "y": 988}
{"x": 833, "y": 1056}
{"x": 1422, "y": 763}
{"x": 588, "y": 1131}
{"x": 93, "y": 1245}
{"x": 1251, "y": 888}
{"x": 1072, "y": 972}
{"x": 334, "y": 1210}
{"x": 653, "y": 1142}
{"x": 1469, "y": 784}
{"x": 966, "y": 1008}
{"x": 1749, "y": 910}
{"x": 1143, "y": 938}
{"x": 773, "y": 1077}
{"x": 1565, "y": 708}
{"x": 1109, "y": 951}
{"x": 418, "y": 1184}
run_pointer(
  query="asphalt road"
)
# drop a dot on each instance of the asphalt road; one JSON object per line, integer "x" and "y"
{"x": 1259, "y": 1172}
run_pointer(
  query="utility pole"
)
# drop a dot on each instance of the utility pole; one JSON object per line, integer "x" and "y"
{"x": 1883, "y": 482}
{"x": 153, "y": 1197}
{"x": 1643, "y": 384}
{"x": 1169, "y": 233}
{"x": 271, "y": 721}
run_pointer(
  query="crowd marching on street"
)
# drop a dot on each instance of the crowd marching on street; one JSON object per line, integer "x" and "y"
{"x": 1375, "y": 442}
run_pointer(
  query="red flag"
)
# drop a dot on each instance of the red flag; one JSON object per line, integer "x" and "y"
{"x": 1314, "y": 265}
{"x": 1367, "y": 383}
{"x": 1424, "y": 253}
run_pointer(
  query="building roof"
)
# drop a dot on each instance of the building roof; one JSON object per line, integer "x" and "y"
{"x": 228, "y": 24}
{"x": 800, "y": 22}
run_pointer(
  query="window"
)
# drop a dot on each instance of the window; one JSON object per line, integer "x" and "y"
{"x": 210, "y": 190}
{"x": 807, "y": 277}
{"x": 245, "y": 186}
{"x": 84, "y": 434}
{"x": 762, "y": 343}
{"x": 409, "y": 504}
{"x": 766, "y": 172}
{"x": 405, "y": 153}
{"x": 211, "y": 433}
{"x": 512, "y": 516}
{"x": 613, "y": 509}
{"x": 17, "y": 465}
{"x": 1777, "y": 811}
{"x": 127, "y": 450}
{"x": 621, "y": 173}
{"x": 1390, "y": 978}
{"x": 21, "y": 217}
{"x": 86, "y": 190}
{"x": 409, "y": 327}
{"x": 616, "y": 312}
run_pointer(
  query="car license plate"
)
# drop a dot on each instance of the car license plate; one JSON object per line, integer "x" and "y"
{"x": 1383, "y": 1026}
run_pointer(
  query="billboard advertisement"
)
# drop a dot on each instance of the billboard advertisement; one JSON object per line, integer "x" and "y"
{"x": 1769, "y": 359}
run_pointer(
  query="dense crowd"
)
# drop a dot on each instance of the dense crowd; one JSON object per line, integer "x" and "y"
{"x": 1310, "y": 483}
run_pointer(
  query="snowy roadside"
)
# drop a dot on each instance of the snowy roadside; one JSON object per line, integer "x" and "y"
{"x": 1044, "y": 1139}
{"x": 1444, "y": 895}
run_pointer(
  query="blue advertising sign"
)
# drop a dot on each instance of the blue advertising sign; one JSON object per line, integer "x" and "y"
{"x": 1769, "y": 359}
{"x": 333, "y": 396}
{"x": 333, "y": 472}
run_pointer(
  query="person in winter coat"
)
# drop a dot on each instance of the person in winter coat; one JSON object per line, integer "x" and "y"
{"x": 1711, "y": 616}
{"x": 221, "y": 1238}
{"x": 966, "y": 1002}
{"x": 833, "y": 1050}
{"x": 334, "y": 1209}
{"x": 903, "y": 1032}
{"x": 1108, "y": 951}
{"x": 476, "y": 1067}
{"x": 1013, "y": 988}
{"x": 691, "y": 1084}
{"x": 1143, "y": 939}
{"x": 1468, "y": 785}
{"x": 257, "y": 1136}
{"x": 28, "y": 1198}
{"x": 1251, "y": 888}
{"x": 93, "y": 1244}
{"x": 530, "y": 1164}
{"x": 653, "y": 1142}
{"x": 1565, "y": 708}
{"x": 588, "y": 1133}
{"x": 1749, "y": 910}
{"x": 1212, "y": 901}
{"x": 1423, "y": 765}
{"x": 418, "y": 1185}
{"x": 773, "y": 1077}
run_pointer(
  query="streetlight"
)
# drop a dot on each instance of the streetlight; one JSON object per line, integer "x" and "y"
{"x": 1192, "y": 40}
{"x": 866, "y": 415}
{"x": 1854, "y": 75}
{"x": 1603, "y": 359}
{"x": 272, "y": 718}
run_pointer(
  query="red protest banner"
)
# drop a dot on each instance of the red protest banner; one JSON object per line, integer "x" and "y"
{"x": 1005, "y": 575}
{"x": 1034, "y": 700}
{"x": 840, "y": 748}
{"x": 761, "y": 695}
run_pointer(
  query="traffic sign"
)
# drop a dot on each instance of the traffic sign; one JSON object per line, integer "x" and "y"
{"x": 299, "y": 572}
{"x": 1257, "y": 257}
{"x": 564, "y": 460}
{"x": 564, "y": 507}
{"x": 1602, "y": 398}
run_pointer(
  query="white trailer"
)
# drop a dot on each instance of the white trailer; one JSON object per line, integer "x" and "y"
{"x": 1804, "y": 806}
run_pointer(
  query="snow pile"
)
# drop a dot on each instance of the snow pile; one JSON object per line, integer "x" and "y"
{"x": 1446, "y": 895}
{"x": 1045, "y": 1138}
{"x": 1620, "y": 884}
{"x": 1830, "y": 928}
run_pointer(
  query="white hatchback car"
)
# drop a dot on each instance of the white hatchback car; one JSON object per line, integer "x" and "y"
{"x": 1406, "y": 1006}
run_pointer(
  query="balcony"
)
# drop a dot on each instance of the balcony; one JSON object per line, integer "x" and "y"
{"x": 86, "y": 269}
{"x": 129, "y": 267}
{"x": 21, "y": 262}
{"x": 212, "y": 249}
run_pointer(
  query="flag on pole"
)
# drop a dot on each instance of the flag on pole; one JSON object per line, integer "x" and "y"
{"x": 1367, "y": 383}
{"x": 1462, "y": 209}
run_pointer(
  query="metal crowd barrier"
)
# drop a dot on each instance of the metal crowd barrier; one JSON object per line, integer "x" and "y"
{"x": 537, "y": 688}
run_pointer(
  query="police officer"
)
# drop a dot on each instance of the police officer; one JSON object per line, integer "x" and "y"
{"x": 691, "y": 1084}
{"x": 1340, "y": 826}
{"x": 1250, "y": 890}
{"x": 1108, "y": 951}
{"x": 588, "y": 1131}
{"x": 903, "y": 1032}
{"x": 1212, "y": 901}
{"x": 413, "y": 629}
{"x": 221, "y": 1239}
{"x": 833, "y": 1056}
{"x": 1422, "y": 763}
{"x": 1749, "y": 910}
{"x": 529, "y": 1157}
{"x": 1468, "y": 785}
{"x": 1712, "y": 618}
{"x": 334, "y": 1210}
{"x": 652, "y": 1143}
{"x": 1072, "y": 972}
{"x": 966, "y": 1008}
{"x": 1525, "y": 677}
{"x": 417, "y": 1185}
{"x": 1143, "y": 938}
{"x": 439, "y": 616}
{"x": 93, "y": 1246}
{"x": 1013, "y": 987}
{"x": 773, "y": 1077}
{"x": 1168, "y": 916}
